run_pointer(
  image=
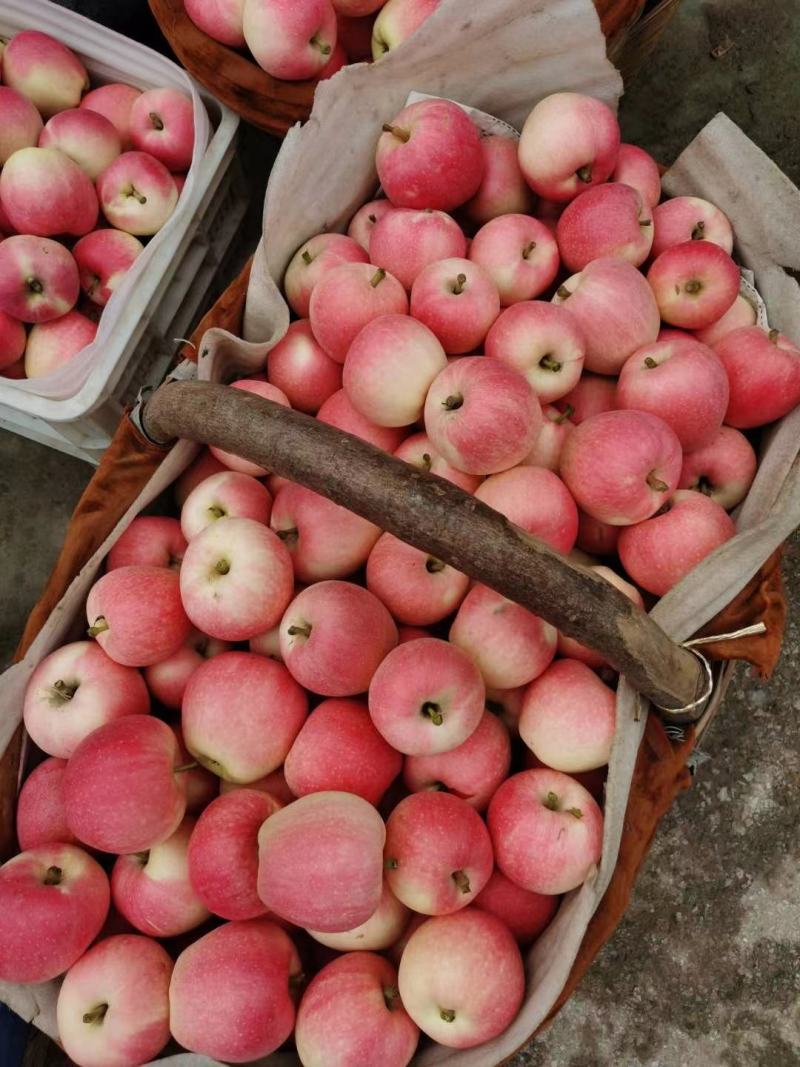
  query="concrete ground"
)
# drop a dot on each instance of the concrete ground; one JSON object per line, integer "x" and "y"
{"x": 705, "y": 968}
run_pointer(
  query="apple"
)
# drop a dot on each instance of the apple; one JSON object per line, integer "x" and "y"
{"x": 333, "y": 637}
{"x": 13, "y": 339}
{"x": 73, "y": 691}
{"x": 381, "y": 930}
{"x": 622, "y": 466}
{"x": 274, "y": 784}
{"x": 338, "y": 411}
{"x": 366, "y": 219}
{"x": 136, "y": 615}
{"x": 357, "y": 8}
{"x": 694, "y": 283}
{"x": 681, "y": 381}
{"x": 115, "y": 101}
{"x": 572, "y": 649}
{"x": 149, "y": 540}
{"x": 536, "y": 500}
{"x": 549, "y": 212}
{"x": 200, "y": 785}
{"x": 51, "y": 345}
{"x": 458, "y": 301}
{"x": 104, "y": 257}
{"x": 20, "y": 123}
{"x": 426, "y": 697}
{"x": 616, "y": 308}
{"x": 225, "y": 495}
{"x": 137, "y": 194}
{"x": 410, "y": 633}
{"x": 689, "y": 218}
{"x": 351, "y": 1013}
{"x": 203, "y": 467}
{"x": 596, "y": 537}
{"x": 122, "y": 787}
{"x": 547, "y": 831}
{"x": 324, "y": 540}
{"x": 525, "y": 914}
{"x": 232, "y": 993}
{"x": 162, "y": 124}
{"x": 45, "y": 71}
{"x": 45, "y": 194}
{"x": 542, "y": 341}
{"x": 53, "y": 903}
{"x": 606, "y": 220}
{"x": 389, "y": 369}
{"x": 406, "y": 240}
{"x": 321, "y": 861}
{"x": 312, "y": 261}
{"x": 546, "y": 452}
{"x": 503, "y": 189}
{"x": 461, "y": 978}
{"x": 658, "y": 553}
{"x": 637, "y": 168}
{"x": 520, "y": 255}
{"x": 396, "y": 21}
{"x": 740, "y": 313}
{"x": 40, "y": 807}
{"x": 113, "y": 1005}
{"x": 481, "y": 415}
{"x": 290, "y": 42}
{"x": 429, "y": 156}
{"x": 418, "y": 451}
{"x": 417, "y": 588}
{"x": 267, "y": 392}
{"x": 723, "y": 470}
{"x": 167, "y": 679}
{"x": 38, "y": 279}
{"x": 473, "y": 771}
{"x": 568, "y": 143}
{"x": 592, "y": 395}
{"x": 763, "y": 369}
{"x": 222, "y": 20}
{"x": 87, "y": 137}
{"x": 236, "y": 579}
{"x": 302, "y": 370}
{"x": 240, "y": 714}
{"x": 346, "y": 298}
{"x": 506, "y": 705}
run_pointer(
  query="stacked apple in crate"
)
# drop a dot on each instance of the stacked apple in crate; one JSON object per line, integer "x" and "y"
{"x": 401, "y": 840}
{"x": 85, "y": 175}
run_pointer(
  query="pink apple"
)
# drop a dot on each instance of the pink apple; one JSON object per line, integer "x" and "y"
{"x": 40, "y": 807}
{"x": 104, "y": 257}
{"x": 223, "y": 853}
{"x": 503, "y": 189}
{"x": 543, "y": 342}
{"x": 458, "y": 301}
{"x": 150, "y": 540}
{"x": 639, "y": 170}
{"x": 51, "y": 345}
{"x": 312, "y": 261}
{"x": 694, "y": 283}
{"x": 203, "y": 467}
{"x": 723, "y": 470}
{"x": 333, "y": 637}
{"x": 267, "y": 392}
{"x": 236, "y": 579}
{"x": 200, "y": 785}
{"x": 122, "y": 789}
{"x": 338, "y": 748}
{"x": 162, "y": 124}
{"x": 38, "y": 279}
{"x": 357, "y": 8}
{"x": 220, "y": 19}
{"x": 461, "y": 978}
{"x": 324, "y": 540}
{"x": 520, "y": 255}
{"x": 481, "y": 415}
{"x": 231, "y": 996}
{"x": 287, "y": 41}
{"x": 506, "y": 704}
{"x": 763, "y": 369}
{"x": 137, "y": 194}
{"x": 549, "y": 212}
{"x": 681, "y": 381}
{"x": 473, "y": 771}
{"x": 429, "y": 156}
{"x": 13, "y": 339}
{"x": 740, "y": 313}
{"x": 596, "y": 537}
{"x": 346, "y": 298}
{"x": 621, "y": 466}
{"x": 44, "y": 193}
{"x": 53, "y": 903}
{"x": 572, "y": 649}
{"x": 606, "y": 220}
{"x": 20, "y": 123}
{"x": 509, "y": 644}
{"x": 688, "y": 218}
{"x": 396, "y": 22}
{"x": 592, "y": 395}
{"x": 569, "y": 142}
{"x": 366, "y": 219}
{"x": 167, "y": 679}
{"x": 352, "y": 1013}
{"x": 417, "y": 588}
{"x": 355, "y": 36}
{"x": 547, "y": 831}
{"x": 336, "y": 60}
{"x": 418, "y": 451}
{"x": 321, "y": 861}
{"x": 338, "y": 411}
{"x": 410, "y": 633}
{"x": 537, "y": 500}
{"x": 113, "y": 1005}
{"x": 616, "y": 308}
{"x": 88, "y": 138}
{"x": 240, "y": 714}
{"x": 46, "y": 71}
{"x": 274, "y": 784}
{"x": 302, "y": 370}
{"x": 114, "y": 101}
{"x": 152, "y": 889}
{"x": 73, "y": 691}
{"x": 136, "y": 615}
{"x": 426, "y": 697}
{"x": 226, "y": 495}
{"x": 556, "y": 427}
{"x": 658, "y": 553}
{"x": 381, "y": 930}
{"x": 525, "y": 914}
{"x": 404, "y": 241}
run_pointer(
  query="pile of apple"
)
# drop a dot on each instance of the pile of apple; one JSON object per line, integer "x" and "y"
{"x": 305, "y": 749}
{"x": 85, "y": 175}
{"x": 298, "y": 39}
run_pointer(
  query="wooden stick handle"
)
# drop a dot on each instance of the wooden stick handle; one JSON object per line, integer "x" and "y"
{"x": 437, "y": 517}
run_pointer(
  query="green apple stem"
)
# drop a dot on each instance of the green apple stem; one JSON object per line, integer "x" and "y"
{"x": 656, "y": 484}
{"x": 453, "y": 403}
{"x": 699, "y": 232}
{"x": 447, "y": 1015}
{"x": 397, "y": 131}
{"x": 548, "y": 363}
{"x": 584, "y": 174}
{"x": 650, "y": 362}
{"x": 575, "y": 813}
{"x": 391, "y": 995}
{"x": 99, "y": 626}
{"x": 157, "y": 121}
{"x": 34, "y": 285}
{"x": 526, "y": 252}
{"x": 53, "y": 876}
{"x": 303, "y": 631}
{"x": 461, "y": 281}
{"x": 461, "y": 880}
{"x": 567, "y": 413}
{"x": 432, "y": 711}
{"x": 551, "y": 802}
{"x": 562, "y": 292}
{"x": 377, "y": 277}
{"x": 96, "y": 1015}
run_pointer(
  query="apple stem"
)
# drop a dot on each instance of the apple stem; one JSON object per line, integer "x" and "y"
{"x": 377, "y": 277}
{"x": 216, "y": 512}
{"x": 650, "y": 362}
{"x": 548, "y": 363}
{"x": 432, "y": 711}
{"x": 462, "y": 882}
{"x": 773, "y": 336}
{"x": 575, "y": 813}
{"x": 562, "y": 292}
{"x": 291, "y": 534}
{"x": 324, "y": 48}
{"x": 142, "y": 857}
{"x": 96, "y": 1015}
{"x": 53, "y": 876}
{"x": 655, "y": 483}
{"x": 699, "y": 232}
{"x": 453, "y": 403}
{"x": 704, "y": 486}
{"x": 551, "y": 802}
{"x": 397, "y": 131}
{"x": 427, "y": 462}
{"x": 447, "y": 1015}
{"x": 584, "y": 174}
{"x": 304, "y": 630}
{"x": 568, "y": 411}
{"x": 186, "y": 767}
{"x": 461, "y": 281}
{"x": 222, "y": 566}
{"x": 434, "y": 566}
{"x": 34, "y": 285}
{"x": 526, "y": 252}
{"x": 391, "y": 994}
{"x": 157, "y": 121}
{"x": 391, "y": 864}
{"x": 137, "y": 195}
{"x": 99, "y": 626}
{"x": 62, "y": 691}
{"x": 692, "y": 287}
{"x": 307, "y": 258}
{"x": 645, "y": 222}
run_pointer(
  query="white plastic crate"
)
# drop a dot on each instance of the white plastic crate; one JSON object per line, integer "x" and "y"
{"x": 187, "y": 264}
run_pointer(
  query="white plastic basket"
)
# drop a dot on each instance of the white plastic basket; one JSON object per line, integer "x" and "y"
{"x": 186, "y": 260}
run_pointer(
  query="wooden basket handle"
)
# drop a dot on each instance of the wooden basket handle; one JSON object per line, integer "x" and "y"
{"x": 436, "y": 517}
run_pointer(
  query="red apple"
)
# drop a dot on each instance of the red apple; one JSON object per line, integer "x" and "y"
{"x": 53, "y": 344}
{"x": 520, "y": 255}
{"x": 606, "y": 220}
{"x": 525, "y": 914}
{"x": 346, "y": 298}
{"x": 38, "y": 280}
{"x": 302, "y": 370}
{"x": 267, "y": 392}
{"x": 503, "y": 189}
{"x": 20, "y": 122}
{"x": 417, "y": 588}
{"x": 40, "y": 807}
{"x": 404, "y": 241}
{"x": 740, "y": 313}
{"x": 226, "y": 495}
{"x": 88, "y": 138}
{"x": 220, "y": 19}
{"x": 167, "y": 679}
{"x": 592, "y": 395}
{"x": 162, "y": 123}
{"x": 312, "y": 261}
{"x": 366, "y": 219}
{"x": 45, "y": 71}
{"x": 137, "y": 194}
{"x": 418, "y": 451}
{"x": 114, "y": 101}
{"x": 535, "y": 499}
{"x": 543, "y": 342}
{"x": 688, "y": 218}
{"x": 104, "y": 257}
{"x": 723, "y": 470}
{"x": 149, "y": 541}
{"x": 694, "y": 283}
{"x": 639, "y": 170}
{"x": 764, "y": 374}
{"x": 381, "y": 930}
{"x": 290, "y": 42}
{"x": 546, "y": 452}
{"x": 458, "y": 301}
{"x": 339, "y": 412}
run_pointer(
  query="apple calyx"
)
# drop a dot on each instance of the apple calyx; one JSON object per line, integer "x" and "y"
{"x": 645, "y": 222}
{"x": 584, "y": 174}
{"x": 458, "y": 288}
{"x": 390, "y": 864}
{"x": 703, "y": 485}
{"x": 93, "y": 286}
{"x": 303, "y": 630}
{"x": 289, "y": 536}
{"x": 307, "y": 258}
{"x": 221, "y": 567}
{"x": 567, "y": 413}
{"x": 396, "y": 131}
{"x": 216, "y": 512}
{"x": 52, "y": 876}
{"x": 693, "y": 286}
{"x": 431, "y": 710}
{"x": 453, "y": 402}
{"x": 548, "y": 363}
{"x": 433, "y": 565}
{"x": 34, "y": 285}
{"x": 699, "y": 231}
{"x": 649, "y": 362}
{"x": 391, "y": 996}
{"x": 773, "y": 336}
{"x": 61, "y": 691}
{"x": 462, "y": 881}
{"x": 562, "y": 292}
{"x": 377, "y": 277}
{"x": 656, "y": 483}
{"x": 447, "y": 1015}
{"x": 99, "y": 626}
{"x": 323, "y": 46}
{"x": 372, "y": 218}
{"x": 142, "y": 857}
{"x": 526, "y": 251}
{"x": 427, "y": 461}
{"x": 96, "y": 1015}
{"x": 157, "y": 121}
